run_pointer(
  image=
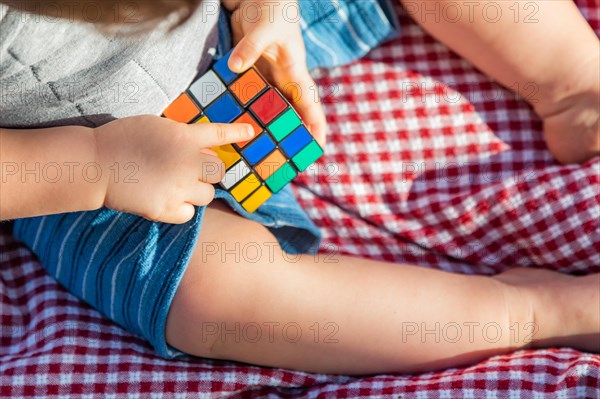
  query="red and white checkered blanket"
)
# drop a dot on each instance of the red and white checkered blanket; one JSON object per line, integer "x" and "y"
{"x": 414, "y": 172}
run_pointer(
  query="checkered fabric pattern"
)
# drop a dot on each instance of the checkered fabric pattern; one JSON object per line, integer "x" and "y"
{"x": 414, "y": 172}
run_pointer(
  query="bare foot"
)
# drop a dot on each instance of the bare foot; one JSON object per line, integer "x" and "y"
{"x": 566, "y": 308}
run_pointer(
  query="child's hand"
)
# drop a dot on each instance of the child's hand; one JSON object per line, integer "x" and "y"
{"x": 271, "y": 30}
{"x": 160, "y": 169}
{"x": 572, "y": 121}
{"x": 573, "y": 135}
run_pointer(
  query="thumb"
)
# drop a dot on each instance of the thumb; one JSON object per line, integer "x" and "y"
{"x": 247, "y": 52}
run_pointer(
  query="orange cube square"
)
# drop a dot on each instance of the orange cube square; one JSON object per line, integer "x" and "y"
{"x": 248, "y": 86}
{"x": 183, "y": 109}
{"x": 270, "y": 164}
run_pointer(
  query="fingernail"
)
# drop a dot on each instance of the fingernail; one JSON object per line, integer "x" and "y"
{"x": 250, "y": 131}
{"x": 235, "y": 62}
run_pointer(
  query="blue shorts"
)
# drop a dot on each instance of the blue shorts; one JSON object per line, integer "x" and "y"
{"x": 129, "y": 268}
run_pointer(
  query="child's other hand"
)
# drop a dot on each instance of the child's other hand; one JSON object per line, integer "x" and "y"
{"x": 271, "y": 30}
{"x": 573, "y": 132}
{"x": 573, "y": 135}
{"x": 160, "y": 169}
{"x": 572, "y": 114}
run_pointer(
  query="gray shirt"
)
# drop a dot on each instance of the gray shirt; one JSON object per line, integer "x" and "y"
{"x": 60, "y": 72}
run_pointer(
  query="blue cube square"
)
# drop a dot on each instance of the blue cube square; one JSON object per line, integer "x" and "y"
{"x": 223, "y": 70}
{"x": 296, "y": 141}
{"x": 258, "y": 149}
{"x": 223, "y": 110}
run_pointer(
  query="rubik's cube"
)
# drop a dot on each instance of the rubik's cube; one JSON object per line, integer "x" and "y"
{"x": 281, "y": 148}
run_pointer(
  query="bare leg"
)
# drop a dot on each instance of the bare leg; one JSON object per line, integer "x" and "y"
{"x": 356, "y": 316}
{"x": 544, "y": 50}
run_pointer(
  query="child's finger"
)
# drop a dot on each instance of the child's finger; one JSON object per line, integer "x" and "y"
{"x": 183, "y": 214}
{"x": 250, "y": 48}
{"x": 216, "y": 134}
{"x": 208, "y": 151}
{"x": 212, "y": 169}
{"x": 201, "y": 194}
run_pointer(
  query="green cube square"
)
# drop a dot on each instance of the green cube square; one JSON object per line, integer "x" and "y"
{"x": 307, "y": 156}
{"x": 281, "y": 177}
{"x": 284, "y": 125}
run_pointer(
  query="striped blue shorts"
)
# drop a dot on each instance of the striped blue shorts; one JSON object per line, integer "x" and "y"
{"x": 129, "y": 268}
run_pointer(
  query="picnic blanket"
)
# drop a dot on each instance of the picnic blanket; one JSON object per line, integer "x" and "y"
{"x": 428, "y": 162}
